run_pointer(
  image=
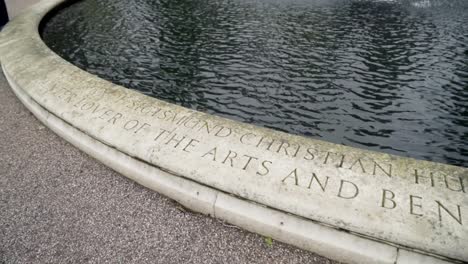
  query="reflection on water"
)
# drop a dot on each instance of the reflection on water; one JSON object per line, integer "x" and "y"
{"x": 388, "y": 75}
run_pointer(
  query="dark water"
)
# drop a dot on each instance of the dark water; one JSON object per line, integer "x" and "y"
{"x": 390, "y": 76}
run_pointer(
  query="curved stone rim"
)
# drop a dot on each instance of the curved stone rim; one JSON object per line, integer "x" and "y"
{"x": 47, "y": 85}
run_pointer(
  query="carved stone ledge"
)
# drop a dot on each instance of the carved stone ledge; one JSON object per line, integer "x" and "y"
{"x": 345, "y": 203}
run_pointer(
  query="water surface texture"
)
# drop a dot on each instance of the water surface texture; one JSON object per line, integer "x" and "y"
{"x": 390, "y": 76}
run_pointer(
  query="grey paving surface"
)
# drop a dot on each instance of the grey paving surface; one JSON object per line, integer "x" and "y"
{"x": 58, "y": 205}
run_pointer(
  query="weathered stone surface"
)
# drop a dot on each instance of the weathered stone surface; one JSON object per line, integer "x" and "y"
{"x": 407, "y": 257}
{"x": 14, "y": 7}
{"x": 417, "y": 204}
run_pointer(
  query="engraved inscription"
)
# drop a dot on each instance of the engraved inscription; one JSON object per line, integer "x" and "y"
{"x": 185, "y": 135}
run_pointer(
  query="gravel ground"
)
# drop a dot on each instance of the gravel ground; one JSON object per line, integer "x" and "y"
{"x": 58, "y": 205}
